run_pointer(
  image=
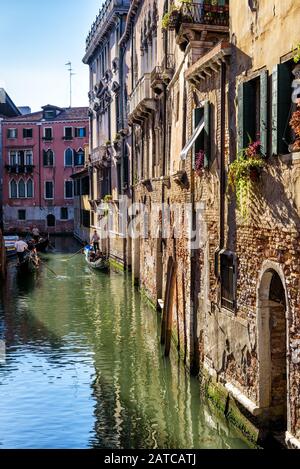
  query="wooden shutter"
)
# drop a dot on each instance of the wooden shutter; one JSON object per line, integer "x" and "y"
{"x": 198, "y": 114}
{"x": 207, "y": 136}
{"x": 281, "y": 108}
{"x": 264, "y": 112}
{"x": 246, "y": 110}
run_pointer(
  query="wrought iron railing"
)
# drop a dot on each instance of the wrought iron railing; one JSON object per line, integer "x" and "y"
{"x": 20, "y": 169}
{"x": 210, "y": 12}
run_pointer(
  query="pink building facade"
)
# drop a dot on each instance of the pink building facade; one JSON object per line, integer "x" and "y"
{"x": 41, "y": 151}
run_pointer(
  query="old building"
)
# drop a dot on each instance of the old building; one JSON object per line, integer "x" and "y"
{"x": 213, "y": 158}
{"x": 40, "y": 153}
{"x": 108, "y": 136}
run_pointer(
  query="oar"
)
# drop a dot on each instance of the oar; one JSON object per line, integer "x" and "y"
{"x": 76, "y": 253}
{"x": 52, "y": 271}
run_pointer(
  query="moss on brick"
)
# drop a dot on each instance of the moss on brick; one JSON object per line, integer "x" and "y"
{"x": 117, "y": 266}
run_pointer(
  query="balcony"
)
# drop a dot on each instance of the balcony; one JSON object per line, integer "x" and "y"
{"x": 162, "y": 75}
{"x": 101, "y": 157}
{"x": 141, "y": 101}
{"x": 206, "y": 23}
{"x": 20, "y": 169}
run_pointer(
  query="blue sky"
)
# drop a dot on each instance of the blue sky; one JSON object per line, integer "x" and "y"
{"x": 37, "y": 38}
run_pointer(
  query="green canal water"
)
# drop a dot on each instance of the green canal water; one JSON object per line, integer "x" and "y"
{"x": 81, "y": 366}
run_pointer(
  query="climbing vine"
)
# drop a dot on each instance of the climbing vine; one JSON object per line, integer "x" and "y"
{"x": 244, "y": 173}
{"x": 297, "y": 54}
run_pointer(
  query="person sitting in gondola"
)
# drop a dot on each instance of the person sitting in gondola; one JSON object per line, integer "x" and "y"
{"x": 98, "y": 256}
{"x": 92, "y": 256}
{"x": 36, "y": 233}
{"x": 21, "y": 248}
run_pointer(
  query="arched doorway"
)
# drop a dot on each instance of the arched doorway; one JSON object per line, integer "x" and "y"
{"x": 272, "y": 347}
{"x": 51, "y": 221}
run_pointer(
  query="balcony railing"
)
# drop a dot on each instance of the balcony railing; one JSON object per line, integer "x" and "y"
{"x": 141, "y": 99}
{"x": 20, "y": 169}
{"x": 205, "y": 13}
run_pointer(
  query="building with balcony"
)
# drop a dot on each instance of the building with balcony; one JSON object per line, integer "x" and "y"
{"x": 41, "y": 151}
{"x": 109, "y": 158}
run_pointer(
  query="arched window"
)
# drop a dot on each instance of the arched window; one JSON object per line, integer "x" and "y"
{"x": 51, "y": 220}
{"x": 69, "y": 157}
{"x": 13, "y": 189}
{"x": 22, "y": 190}
{"x": 29, "y": 187}
{"x": 48, "y": 158}
{"x": 79, "y": 158}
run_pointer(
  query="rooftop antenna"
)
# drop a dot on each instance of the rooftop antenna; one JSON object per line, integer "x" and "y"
{"x": 70, "y": 70}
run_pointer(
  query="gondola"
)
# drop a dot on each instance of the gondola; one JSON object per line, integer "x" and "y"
{"x": 28, "y": 265}
{"x": 42, "y": 244}
{"x": 100, "y": 264}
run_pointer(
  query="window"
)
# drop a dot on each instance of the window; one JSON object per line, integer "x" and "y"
{"x": 68, "y": 189}
{"x": 13, "y": 158}
{"x": 64, "y": 213}
{"x": 253, "y": 112}
{"x": 27, "y": 133}
{"x": 85, "y": 218}
{"x": 48, "y": 158}
{"x": 28, "y": 158}
{"x": 21, "y": 158}
{"x": 49, "y": 114}
{"x": 68, "y": 133}
{"x": 79, "y": 158}
{"x": 12, "y": 133}
{"x": 228, "y": 280}
{"x": 85, "y": 186}
{"x": 48, "y": 134}
{"x": 77, "y": 187}
{"x": 68, "y": 157}
{"x": 51, "y": 220}
{"x": 13, "y": 189}
{"x": 282, "y": 107}
{"x": 29, "y": 189}
{"x": 80, "y": 132}
{"x": 21, "y": 214}
{"x": 49, "y": 190}
{"x": 22, "y": 189}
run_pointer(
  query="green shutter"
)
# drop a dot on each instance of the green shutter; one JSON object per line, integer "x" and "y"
{"x": 281, "y": 108}
{"x": 207, "y": 136}
{"x": 264, "y": 112}
{"x": 198, "y": 114}
{"x": 246, "y": 110}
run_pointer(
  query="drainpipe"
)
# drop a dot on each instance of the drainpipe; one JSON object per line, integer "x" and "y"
{"x": 222, "y": 156}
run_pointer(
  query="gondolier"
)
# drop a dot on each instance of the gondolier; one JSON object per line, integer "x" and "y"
{"x": 36, "y": 233}
{"x": 21, "y": 248}
{"x": 95, "y": 241}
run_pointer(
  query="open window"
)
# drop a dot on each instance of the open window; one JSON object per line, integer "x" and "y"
{"x": 253, "y": 112}
{"x": 48, "y": 158}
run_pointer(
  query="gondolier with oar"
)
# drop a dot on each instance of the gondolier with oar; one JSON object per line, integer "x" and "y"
{"x": 95, "y": 241}
{"x": 21, "y": 248}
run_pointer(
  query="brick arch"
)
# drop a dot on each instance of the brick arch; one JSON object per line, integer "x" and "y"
{"x": 272, "y": 339}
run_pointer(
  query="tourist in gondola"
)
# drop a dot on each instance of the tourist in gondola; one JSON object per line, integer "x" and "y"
{"x": 36, "y": 233}
{"x": 21, "y": 248}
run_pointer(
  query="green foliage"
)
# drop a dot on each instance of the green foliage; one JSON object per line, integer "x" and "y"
{"x": 107, "y": 198}
{"x": 169, "y": 16}
{"x": 244, "y": 173}
{"x": 297, "y": 54}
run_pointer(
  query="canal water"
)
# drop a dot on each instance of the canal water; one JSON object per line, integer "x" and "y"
{"x": 81, "y": 366}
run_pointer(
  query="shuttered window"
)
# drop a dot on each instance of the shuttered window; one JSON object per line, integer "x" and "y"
{"x": 253, "y": 112}
{"x": 282, "y": 107}
{"x": 228, "y": 280}
{"x": 203, "y": 141}
{"x": 49, "y": 191}
{"x": 68, "y": 189}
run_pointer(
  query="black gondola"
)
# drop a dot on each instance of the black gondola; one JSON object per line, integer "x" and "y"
{"x": 29, "y": 264}
{"x": 43, "y": 244}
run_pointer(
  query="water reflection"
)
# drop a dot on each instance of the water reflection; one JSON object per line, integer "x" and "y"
{"x": 84, "y": 367}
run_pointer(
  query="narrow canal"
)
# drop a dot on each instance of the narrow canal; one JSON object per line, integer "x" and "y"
{"x": 81, "y": 366}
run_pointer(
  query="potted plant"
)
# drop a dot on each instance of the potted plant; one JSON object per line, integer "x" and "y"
{"x": 170, "y": 19}
{"x": 244, "y": 173}
{"x": 199, "y": 163}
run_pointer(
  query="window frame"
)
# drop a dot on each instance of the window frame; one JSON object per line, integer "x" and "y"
{"x": 72, "y": 133}
{"x": 44, "y": 132}
{"x": 65, "y": 189}
{"x": 45, "y": 190}
{"x": 10, "y": 192}
{"x": 72, "y": 165}
{"x": 229, "y": 304}
{"x": 67, "y": 211}
{"x": 24, "y": 211}
{"x": 27, "y": 181}
{"x": 77, "y": 132}
{"x": 26, "y": 129}
{"x": 45, "y": 155}
{"x": 16, "y": 133}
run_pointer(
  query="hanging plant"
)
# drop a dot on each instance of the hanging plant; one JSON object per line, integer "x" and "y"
{"x": 297, "y": 54}
{"x": 199, "y": 163}
{"x": 170, "y": 18}
{"x": 295, "y": 125}
{"x": 244, "y": 173}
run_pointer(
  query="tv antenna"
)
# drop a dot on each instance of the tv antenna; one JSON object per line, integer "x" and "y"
{"x": 70, "y": 70}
